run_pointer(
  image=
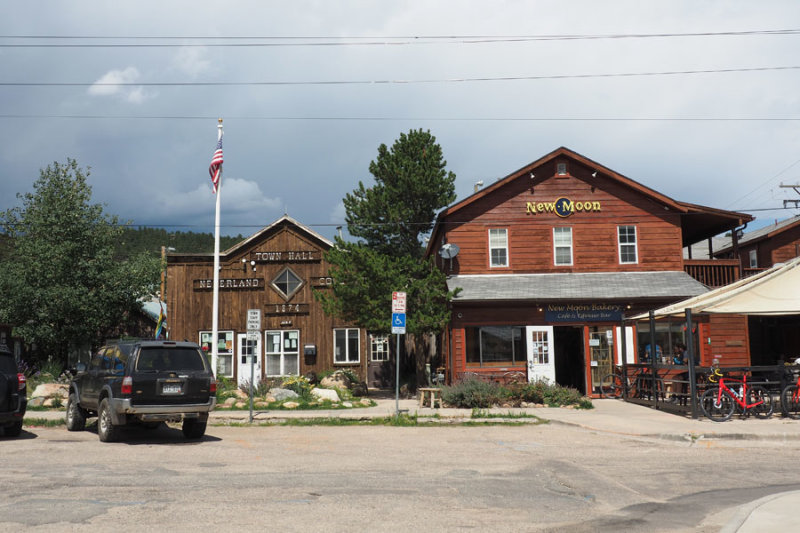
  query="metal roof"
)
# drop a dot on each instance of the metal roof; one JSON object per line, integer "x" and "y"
{"x": 580, "y": 286}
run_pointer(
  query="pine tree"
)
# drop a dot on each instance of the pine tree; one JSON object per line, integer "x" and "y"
{"x": 389, "y": 220}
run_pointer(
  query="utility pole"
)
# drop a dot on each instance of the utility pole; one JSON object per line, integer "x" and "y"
{"x": 796, "y": 188}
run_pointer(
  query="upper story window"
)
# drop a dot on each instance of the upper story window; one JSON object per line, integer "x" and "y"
{"x": 562, "y": 245}
{"x": 287, "y": 283}
{"x": 626, "y": 238}
{"x": 498, "y": 247}
{"x": 753, "y": 259}
{"x": 561, "y": 169}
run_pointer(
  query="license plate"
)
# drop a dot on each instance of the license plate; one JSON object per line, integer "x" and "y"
{"x": 171, "y": 388}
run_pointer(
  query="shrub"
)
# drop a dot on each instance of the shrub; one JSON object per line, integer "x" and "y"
{"x": 472, "y": 393}
{"x": 299, "y": 384}
{"x": 476, "y": 393}
{"x": 261, "y": 388}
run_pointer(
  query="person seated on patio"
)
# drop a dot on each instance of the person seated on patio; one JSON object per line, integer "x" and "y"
{"x": 678, "y": 358}
{"x": 659, "y": 353}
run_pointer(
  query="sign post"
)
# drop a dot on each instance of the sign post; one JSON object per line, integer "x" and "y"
{"x": 398, "y": 328}
{"x": 253, "y": 333}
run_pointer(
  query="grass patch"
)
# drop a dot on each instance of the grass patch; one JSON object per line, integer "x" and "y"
{"x": 43, "y": 422}
{"x": 481, "y": 414}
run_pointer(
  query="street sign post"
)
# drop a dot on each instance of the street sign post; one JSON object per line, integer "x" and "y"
{"x": 398, "y": 328}
{"x": 253, "y": 334}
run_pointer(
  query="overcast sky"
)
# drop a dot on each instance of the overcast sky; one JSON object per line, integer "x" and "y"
{"x": 294, "y": 144}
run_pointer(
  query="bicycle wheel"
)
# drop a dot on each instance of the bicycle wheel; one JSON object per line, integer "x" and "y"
{"x": 756, "y": 394}
{"x": 790, "y": 401}
{"x": 611, "y": 386}
{"x": 718, "y": 407}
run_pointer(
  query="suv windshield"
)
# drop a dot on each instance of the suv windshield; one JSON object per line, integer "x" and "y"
{"x": 170, "y": 359}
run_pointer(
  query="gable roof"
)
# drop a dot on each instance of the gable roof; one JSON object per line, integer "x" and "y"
{"x": 282, "y": 222}
{"x": 767, "y": 232}
{"x": 702, "y": 223}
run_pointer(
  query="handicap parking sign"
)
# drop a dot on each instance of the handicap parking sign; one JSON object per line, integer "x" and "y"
{"x": 399, "y": 323}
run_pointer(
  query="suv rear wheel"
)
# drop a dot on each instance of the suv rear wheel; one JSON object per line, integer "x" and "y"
{"x": 13, "y": 429}
{"x": 76, "y": 416}
{"x": 193, "y": 428}
{"x": 105, "y": 426}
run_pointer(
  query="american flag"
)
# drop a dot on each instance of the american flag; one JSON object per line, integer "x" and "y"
{"x": 216, "y": 166}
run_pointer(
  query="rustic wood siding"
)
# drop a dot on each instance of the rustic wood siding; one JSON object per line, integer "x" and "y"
{"x": 729, "y": 340}
{"x": 594, "y": 234}
{"x": 190, "y": 309}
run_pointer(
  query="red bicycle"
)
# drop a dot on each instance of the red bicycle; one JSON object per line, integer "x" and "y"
{"x": 719, "y": 403}
{"x": 790, "y": 400}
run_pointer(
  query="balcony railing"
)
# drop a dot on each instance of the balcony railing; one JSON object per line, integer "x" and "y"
{"x": 713, "y": 272}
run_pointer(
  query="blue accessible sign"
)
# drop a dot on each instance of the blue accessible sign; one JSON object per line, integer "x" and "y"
{"x": 399, "y": 323}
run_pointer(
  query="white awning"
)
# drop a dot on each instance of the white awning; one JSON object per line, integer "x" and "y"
{"x": 775, "y": 291}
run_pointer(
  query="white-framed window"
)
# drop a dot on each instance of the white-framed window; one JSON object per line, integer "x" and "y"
{"x": 498, "y": 247}
{"x": 346, "y": 346}
{"x": 561, "y": 169}
{"x": 562, "y": 245}
{"x": 378, "y": 348}
{"x": 282, "y": 350}
{"x": 224, "y": 351}
{"x": 753, "y": 259}
{"x": 626, "y": 238}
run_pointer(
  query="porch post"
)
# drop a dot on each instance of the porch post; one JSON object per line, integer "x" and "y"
{"x": 691, "y": 362}
{"x": 624, "y": 348}
{"x": 653, "y": 358}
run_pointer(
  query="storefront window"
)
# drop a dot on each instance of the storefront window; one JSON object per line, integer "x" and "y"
{"x": 224, "y": 351}
{"x": 667, "y": 334}
{"x": 496, "y": 345}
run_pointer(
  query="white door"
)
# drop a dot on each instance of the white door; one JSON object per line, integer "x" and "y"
{"x": 248, "y": 350}
{"x": 541, "y": 360}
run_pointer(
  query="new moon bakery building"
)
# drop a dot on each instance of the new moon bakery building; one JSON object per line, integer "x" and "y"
{"x": 275, "y": 271}
{"x": 549, "y": 260}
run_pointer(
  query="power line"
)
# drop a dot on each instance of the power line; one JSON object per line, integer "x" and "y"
{"x": 395, "y": 82}
{"x": 400, "y": 118}
{"x": 352, "y": 40}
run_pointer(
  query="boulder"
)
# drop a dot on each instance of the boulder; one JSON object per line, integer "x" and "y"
{"x": 260, "y": 405}
{"x": 230, "y": 402}
{"x": 291, "y": 405}
{"x": 50, "y": 390}
{"x": 337, "y": 380}
{"x": 347, "y": 404}
{"x": 366, "y": 402}
{"x": 325, "y": 394}
{"x": 360, "y": 389}
{"x": 283, "y": 394}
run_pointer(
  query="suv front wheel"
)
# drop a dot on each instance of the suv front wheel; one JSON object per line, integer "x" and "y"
{"x": 105, "y": 426}
{"x": 76, "y": 416}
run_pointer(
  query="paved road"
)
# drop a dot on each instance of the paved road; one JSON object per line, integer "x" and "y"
{"x": 551, "y": 477}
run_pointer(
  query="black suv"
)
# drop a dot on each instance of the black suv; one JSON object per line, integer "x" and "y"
{"x": 13, "y": 394}
{"x": 146, "y": 382}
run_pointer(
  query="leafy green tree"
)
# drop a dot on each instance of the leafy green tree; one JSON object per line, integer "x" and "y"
{"x": 60, "y": 282}
{"x": 389, "y": 220}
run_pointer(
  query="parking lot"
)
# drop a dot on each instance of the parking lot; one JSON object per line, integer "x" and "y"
{"x": 358, "y": 478}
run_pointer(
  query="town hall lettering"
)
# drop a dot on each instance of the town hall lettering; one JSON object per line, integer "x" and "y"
{"x": 562, "y": 207}
{"x": 286, "y": 256}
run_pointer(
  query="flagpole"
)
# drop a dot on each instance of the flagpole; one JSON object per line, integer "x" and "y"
{"x": 215, "y": 306}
